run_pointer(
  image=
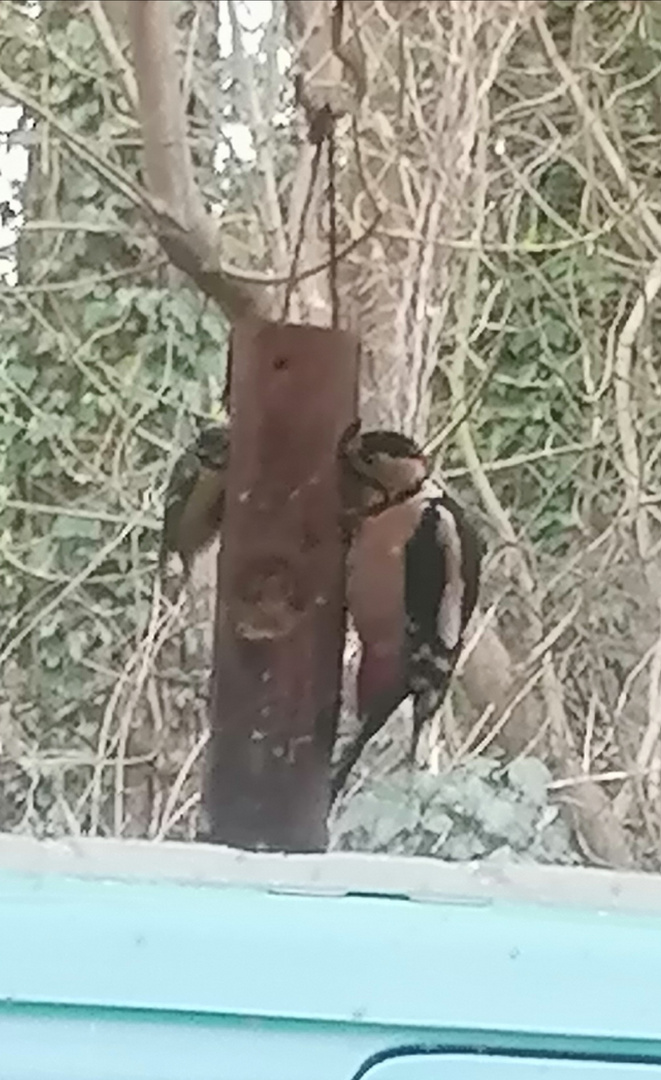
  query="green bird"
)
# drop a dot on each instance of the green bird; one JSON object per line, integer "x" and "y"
{"x": 195, "y": 497}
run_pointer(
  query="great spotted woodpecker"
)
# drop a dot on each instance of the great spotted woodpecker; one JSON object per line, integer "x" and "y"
{"x": 413, "y": 579}
{"x": 195, "y": 497}
{"x": 379, "y": 469}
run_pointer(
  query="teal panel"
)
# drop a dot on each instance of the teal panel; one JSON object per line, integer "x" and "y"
{"x": 86, "y": 1044}
{"x": 64, "y": 1043}
{"x": 374, "y": 960}
{"x": 132, "y": 979}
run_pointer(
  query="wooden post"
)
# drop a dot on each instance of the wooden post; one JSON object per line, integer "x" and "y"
{"x": 280, "y": 607}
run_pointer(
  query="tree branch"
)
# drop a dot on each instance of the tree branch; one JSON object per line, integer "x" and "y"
{"x": 158, "y": 215}
{"x": 186, "y": 232}
{"x": 107, "y": 36}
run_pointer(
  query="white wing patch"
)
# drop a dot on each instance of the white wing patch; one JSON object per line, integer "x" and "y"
{"x": 449, "y": 611}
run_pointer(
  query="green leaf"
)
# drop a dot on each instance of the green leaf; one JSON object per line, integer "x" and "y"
{"x": 77, "y": 644}
{"x": 67, "y": 527}
{"x": 95, "y": 313}
{"x": 22, "y": 375}
{"x": 556, "y": 334}
{"x": 59, "y": 94}
{"x": 148, "y": 301}
{"x": 215, "y": 326}
{"x": 80, "y": 34}
{"x": 81, "y": 114}
{"x": 212, "y": 362}
{"x": 89, "y": 188}
{"x": 530, "y": 777}
{"x": 50, "y": 626}
{"x": 40, "y": 554}
{"x": 183, "y": 309}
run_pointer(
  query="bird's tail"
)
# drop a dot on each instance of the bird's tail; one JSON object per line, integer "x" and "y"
{"x": 430, "y": 680}
{"x": 425, "y": 707}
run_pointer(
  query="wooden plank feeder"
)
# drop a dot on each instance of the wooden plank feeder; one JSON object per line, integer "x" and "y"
{"x": 280, "y": 612}
{"x": 279, "y": 631}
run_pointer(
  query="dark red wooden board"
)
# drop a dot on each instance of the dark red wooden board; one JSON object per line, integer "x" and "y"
{"x": 280, "y": 608}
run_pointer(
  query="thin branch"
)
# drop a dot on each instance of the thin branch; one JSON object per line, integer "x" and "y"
{"x": 598, "y": 131}
{"x": 623, "y": 407}
{"x": 80, "y": 146}
{"x": 79, "y": 512}
{"x": 16, "y": 291}
{"x": 594, "y": 815}
{"x": 115, "y": 54}
{"x": 71, "y": 587}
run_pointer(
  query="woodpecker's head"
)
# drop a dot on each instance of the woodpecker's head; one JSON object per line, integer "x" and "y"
{"x": 381, "y": 468}
{"x": 212, "y": 446}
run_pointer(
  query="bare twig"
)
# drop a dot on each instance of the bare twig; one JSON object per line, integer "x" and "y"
{"x": 111, "y": 45}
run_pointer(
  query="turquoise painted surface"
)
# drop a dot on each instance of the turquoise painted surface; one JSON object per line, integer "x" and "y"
{"x": 129, "y": 979}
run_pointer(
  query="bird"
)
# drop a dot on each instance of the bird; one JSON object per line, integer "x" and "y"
{"x": 413, "y": 574}
{"x": 380, "y": 469}
{"x": 195, "y": 497}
